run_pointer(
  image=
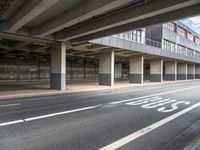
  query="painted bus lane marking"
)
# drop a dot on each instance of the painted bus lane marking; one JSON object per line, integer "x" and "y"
{"x": 163, "y": 105}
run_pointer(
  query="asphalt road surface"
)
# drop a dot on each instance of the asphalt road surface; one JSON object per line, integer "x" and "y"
{"x": 159, "y": 117}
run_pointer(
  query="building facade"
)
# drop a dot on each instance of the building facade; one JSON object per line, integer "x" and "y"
{"x": 168, "y": 51}
{"x": 171, "y": 51}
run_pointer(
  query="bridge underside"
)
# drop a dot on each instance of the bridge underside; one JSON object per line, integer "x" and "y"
{"x": 48, "y": 39}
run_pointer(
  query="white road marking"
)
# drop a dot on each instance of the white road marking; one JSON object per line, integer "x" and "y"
{"x": 11, "y": 122}
{"x": 137, "y": 134}
{"x": 137, "y": 98}
{"x": 155, "y": 102}
{"x": 61, "y": 113}
{"x": 9, "y": 105}
{"x": 144, "y": 101}
{"x": 47, "y": 116}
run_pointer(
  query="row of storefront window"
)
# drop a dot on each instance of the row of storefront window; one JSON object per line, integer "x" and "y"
{"x": 134, "y": 35}
{"x": 181, "y": 31}
{"x": 170, "y": 46}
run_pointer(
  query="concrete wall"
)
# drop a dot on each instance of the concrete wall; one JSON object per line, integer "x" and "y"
{"x": 191, "y": 71}
{"x": 197, "y": 71}
{"x": 182, "y": 71}
{"x": 22, "y": 68}
{"x": 136, "y": 69}
{"x": 156, "y": 70}
{"x": 118, "y": 71}
{"x": 170, "y": 70}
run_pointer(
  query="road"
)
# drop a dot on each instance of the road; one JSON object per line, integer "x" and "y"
{"x": 159, "y": 117}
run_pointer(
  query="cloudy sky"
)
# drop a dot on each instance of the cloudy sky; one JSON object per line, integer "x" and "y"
{"x": 193, "y": 23}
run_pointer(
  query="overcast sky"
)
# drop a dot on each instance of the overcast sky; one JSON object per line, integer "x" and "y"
{"x": 193, "y": 23}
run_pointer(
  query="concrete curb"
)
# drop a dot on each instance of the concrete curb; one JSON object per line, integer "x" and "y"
{"x": 89, "y": 90}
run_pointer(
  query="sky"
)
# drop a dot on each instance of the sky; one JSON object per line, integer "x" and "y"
{"x": 193, "y": 23}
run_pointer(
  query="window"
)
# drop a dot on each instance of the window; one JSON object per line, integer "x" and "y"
{"x": 190, "y": 52}
{"x": 171, "y": 26}
{"x": 134, "y": 35}
{"x": 181, "y": 49}
{"x": 139, "y": 36}
{"x": 134, "y": 32}
{"x": 190, "y": 36}
{"x": 181, "y": 32}
{"x": 197, "y": 54}
{"x": 197, "y": 40}
{"x": 170, "y": 46}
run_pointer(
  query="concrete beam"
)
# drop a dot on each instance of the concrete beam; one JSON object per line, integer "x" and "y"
{"x": 12, "y": 47}
{"x": 81, "y": 12}
{"x": 97, "y": 47}
{"x": 161, "y": 18}
{"x": 15, "y": 37}
{"x": 27, "y": 12}
{"x": 20, "y": 44}
{"x": 129, "y": 15}
{"x": 4, "y": 46}
{"x": 17, "y": 46}
{"x": 40, "y": 49}
{"x": 84, "y": 44}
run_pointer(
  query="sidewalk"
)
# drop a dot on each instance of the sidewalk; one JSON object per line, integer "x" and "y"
{"x": 194, "y": 130}
{"x": 39, "y": 89}
{"x": 194, "y": 146}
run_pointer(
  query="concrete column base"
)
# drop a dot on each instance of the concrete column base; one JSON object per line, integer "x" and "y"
{"x": 190, "y": 76}
{"x": 156, "y": 77}
{"x": 170, "y": 77}
{"x": 197, "y": 76}
{"x": 181, "y": 77}
{"x": 136, "y": 78}
{"x": 105, "y": 79}
{"x": 57, "y": 81}
{"x": 197, "y": 71}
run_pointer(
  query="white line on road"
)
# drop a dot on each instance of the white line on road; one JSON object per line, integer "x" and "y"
{"x": 11, "y": 122}
{"x": 48, "y": 115}
{"x": 132, "y": 99}
{"x": 61, "y": 113}
{"x": 147, "y": 129}
{"x": 9, "y": 105}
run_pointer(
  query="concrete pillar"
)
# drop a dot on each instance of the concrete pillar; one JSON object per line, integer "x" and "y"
{"x": 136, "y": 69}
{"x": 106, "y": 68}
{"x": 156, "y": 70}
{"x": 18, "y": 69}
{"x": 181, "y": 71}
{"x": 197, "y": 72}
{"x": 191, "y": 71}
{"x": 170, "y": 71}
{"x": 58, "y": 66}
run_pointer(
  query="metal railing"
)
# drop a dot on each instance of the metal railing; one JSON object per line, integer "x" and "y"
{"x": 150, "y": 42}
{"x": 141, "y": 40}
